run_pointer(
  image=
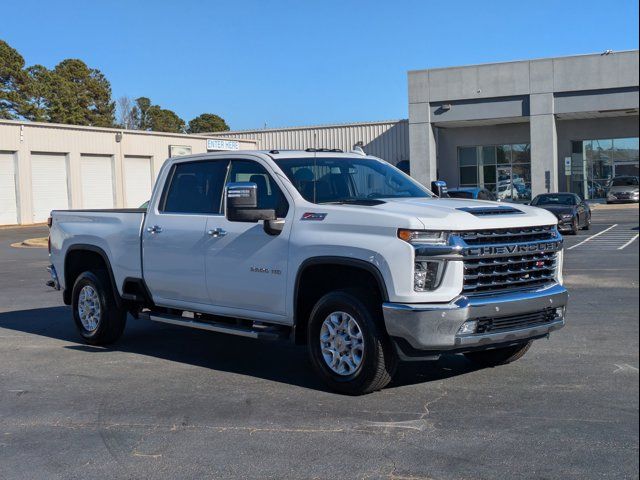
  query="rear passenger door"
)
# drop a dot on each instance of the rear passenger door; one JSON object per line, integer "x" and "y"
{"x": 246, "y": 266}
{"x": 174, "y": 240}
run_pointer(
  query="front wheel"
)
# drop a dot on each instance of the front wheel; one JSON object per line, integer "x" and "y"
{"x": 97, "y": 316}
{"x": 498, "y": 356}
{"x": 347, "y": 344}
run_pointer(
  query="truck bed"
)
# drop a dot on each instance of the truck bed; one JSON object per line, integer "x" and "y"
{"x": 113, "y": 232}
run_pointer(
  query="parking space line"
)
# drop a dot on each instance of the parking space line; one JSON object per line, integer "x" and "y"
{"x": 629, "y": 242}
{"x": 592, "y": 237}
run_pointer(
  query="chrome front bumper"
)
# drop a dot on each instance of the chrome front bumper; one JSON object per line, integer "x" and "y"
{"x": 434, "y": 328}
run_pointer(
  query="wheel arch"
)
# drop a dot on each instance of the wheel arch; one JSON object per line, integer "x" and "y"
{"x": 76, "y": 260}
{"x": 304, "y": 296}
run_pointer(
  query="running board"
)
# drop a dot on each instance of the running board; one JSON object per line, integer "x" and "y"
{"x": 258, "y": 332}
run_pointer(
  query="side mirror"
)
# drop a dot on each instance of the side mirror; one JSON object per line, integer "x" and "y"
{"x": 241, "y": 200}
{"x": 439, "y": 188}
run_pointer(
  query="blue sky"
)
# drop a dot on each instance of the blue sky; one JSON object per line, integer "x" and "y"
{"x": 288, "y": 63}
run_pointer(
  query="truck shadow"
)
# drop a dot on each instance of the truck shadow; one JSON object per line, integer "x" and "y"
{"x": 275, "y": 361}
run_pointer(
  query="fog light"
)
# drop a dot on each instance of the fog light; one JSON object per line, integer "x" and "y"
{"x": 427, "y": 275}
{"x": 560, "y": 312}
{"x": 468, "y": 327}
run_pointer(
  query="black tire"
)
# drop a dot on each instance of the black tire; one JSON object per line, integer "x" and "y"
{"x": 587, "y": 225}
{"x": 111, "y": 318}
{"x": 498, "y": 356}
{"x": 379, "y": 360}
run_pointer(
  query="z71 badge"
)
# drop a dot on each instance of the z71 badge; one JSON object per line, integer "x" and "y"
{"x": 318, "y": 217}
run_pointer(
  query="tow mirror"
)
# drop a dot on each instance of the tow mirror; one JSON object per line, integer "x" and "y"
{"x": 242, "y": 203}
{"x": 439, "y": 188}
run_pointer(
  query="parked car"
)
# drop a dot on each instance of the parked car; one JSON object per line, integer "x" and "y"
{"x": 472, "y": 193}
{"x": 623, "y": 190}
{"x": 341, "y": 252}
{"x": 573, "y": 213}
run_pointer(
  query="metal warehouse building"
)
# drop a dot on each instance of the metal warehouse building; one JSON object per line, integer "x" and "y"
{"x": 46, "y": 166}
{"x": 388, "y": 140}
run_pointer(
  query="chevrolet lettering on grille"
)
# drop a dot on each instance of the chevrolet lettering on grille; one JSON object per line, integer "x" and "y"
{"x": 490, "y": 250}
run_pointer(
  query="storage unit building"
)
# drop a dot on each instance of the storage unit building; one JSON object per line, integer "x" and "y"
{"x": 47, "y": 166}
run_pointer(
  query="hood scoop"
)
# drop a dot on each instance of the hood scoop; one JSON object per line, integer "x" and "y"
{"x": 486, "y": 211}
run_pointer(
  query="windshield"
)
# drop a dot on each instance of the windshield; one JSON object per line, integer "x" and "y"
{"x": 625, "y": 182}
{"x": 568, "y": 199}
{"x": 349, "y": 180}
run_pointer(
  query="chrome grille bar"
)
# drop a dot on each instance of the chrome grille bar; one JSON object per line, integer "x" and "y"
{"x": 503, "y": 260}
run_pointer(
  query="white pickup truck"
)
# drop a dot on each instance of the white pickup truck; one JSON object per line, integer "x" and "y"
{"x": 339, "y": 251}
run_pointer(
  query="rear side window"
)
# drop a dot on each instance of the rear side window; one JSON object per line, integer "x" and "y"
{"x": 196, "y": 187}
{"x": 269, "y": 194}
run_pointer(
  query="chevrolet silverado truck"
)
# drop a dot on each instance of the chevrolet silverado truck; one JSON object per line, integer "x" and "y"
{"x": 339, "y": 251}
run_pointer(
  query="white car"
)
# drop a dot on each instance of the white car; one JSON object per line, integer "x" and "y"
{"x": 340, "y": 251}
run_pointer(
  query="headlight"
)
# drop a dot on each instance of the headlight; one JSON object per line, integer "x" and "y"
{"x": 427, "y": 275}
{"x": 566, "y": 216}
{"x": 424, "y": 237}
{"x": 611, "y": 196}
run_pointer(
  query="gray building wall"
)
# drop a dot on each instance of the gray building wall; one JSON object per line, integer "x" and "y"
{"x": 472, "y": 105}
{"x": 388, "y": 140}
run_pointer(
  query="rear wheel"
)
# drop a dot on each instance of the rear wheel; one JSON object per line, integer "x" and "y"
{"x": 97, "y": 316}
{"x": 498, "y": 356}
{"x": 347, "y": 344}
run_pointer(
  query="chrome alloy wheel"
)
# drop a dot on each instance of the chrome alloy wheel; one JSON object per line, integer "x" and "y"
{"x": 341, "y": 343}
{"x": 89, "y": 308}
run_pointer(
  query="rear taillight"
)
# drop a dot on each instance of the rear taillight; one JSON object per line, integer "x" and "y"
{"x": 49, "y": 222}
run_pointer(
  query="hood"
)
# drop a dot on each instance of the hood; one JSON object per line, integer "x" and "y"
{"x": 465, "y": 214}
{"x": 558, "y": 209}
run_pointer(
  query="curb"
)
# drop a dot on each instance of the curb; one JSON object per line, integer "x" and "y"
{"x": 41, "y": 242}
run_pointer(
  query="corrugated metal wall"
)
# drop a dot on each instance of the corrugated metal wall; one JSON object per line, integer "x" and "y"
{"x": 387, "y": 140}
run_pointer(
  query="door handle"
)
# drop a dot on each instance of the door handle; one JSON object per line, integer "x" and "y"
{"x": 216, "y": 232}
{"x": 154, "y": 229}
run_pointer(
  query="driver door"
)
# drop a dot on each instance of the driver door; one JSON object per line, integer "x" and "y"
{"x": 246, "y": 267}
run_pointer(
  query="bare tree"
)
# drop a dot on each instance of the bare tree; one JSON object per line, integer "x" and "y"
{"x": 126, "y": 109}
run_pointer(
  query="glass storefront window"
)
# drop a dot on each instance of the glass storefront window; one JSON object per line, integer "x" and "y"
{"x": 596, "y": 162}
{"x": 502, "y": 169}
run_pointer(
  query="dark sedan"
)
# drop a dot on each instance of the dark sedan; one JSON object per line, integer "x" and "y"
{"x": 572, "y": 212}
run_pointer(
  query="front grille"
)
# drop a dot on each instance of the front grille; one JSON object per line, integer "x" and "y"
{"x": 510, "y": 268}
{"x": 508, "y": 235}
{"x": 514, "y": 322}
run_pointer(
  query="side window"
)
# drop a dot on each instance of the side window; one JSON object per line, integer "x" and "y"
{"x": 269, "y": 194}
{"x": 196, "y": 187}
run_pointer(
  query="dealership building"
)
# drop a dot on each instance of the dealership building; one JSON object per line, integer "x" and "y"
{"x": 516, "y": 128}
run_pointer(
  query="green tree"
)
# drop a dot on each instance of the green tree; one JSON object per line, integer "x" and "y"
{"x": 37, "y": 94}
{"x": 207, "y": 122}
{"x": 163, "y": 120}
{"x": 12, "y": 80}
{"x": 79, "y": 95}
{"x": 140, "y": 113}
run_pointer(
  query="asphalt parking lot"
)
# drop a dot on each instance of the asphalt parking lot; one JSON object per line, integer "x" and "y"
{"x": 168, "y": 402}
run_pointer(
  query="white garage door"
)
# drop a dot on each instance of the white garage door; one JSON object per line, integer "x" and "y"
{"x": 8, "y": 209}
{"x": 96, "y": 177}
{"x": 48, "y": 184}
{"x": 137, "y": 180}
